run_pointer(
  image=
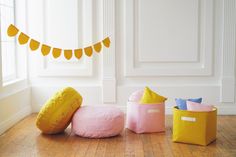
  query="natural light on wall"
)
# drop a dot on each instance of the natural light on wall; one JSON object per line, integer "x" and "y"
{"x": 8, "y": 47}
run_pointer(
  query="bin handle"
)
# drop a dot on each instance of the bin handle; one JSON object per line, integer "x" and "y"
{"x": 153, "y": 111}
{"x": 189, "y": 119}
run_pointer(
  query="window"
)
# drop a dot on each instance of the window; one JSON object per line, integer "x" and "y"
{"x": 8, "y": 45}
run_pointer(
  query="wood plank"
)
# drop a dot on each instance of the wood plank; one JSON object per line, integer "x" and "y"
{"x": 129, "y": 147}
{"x": 101, "y": 149}
{"x": 120, "y": 146}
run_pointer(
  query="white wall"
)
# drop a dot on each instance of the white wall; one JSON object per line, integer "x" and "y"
{"x": 73, "y": 29}
{"x": 13, "y": 108}
{"x": 182, "y": 48}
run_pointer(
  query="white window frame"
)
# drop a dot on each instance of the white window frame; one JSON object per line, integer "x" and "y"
{"x": 12, "y": 77}
{"x": 21, "y": 80}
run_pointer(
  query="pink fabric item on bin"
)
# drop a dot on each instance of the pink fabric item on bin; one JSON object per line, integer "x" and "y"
{"x": 145, "y": 118}
{"x": 136, "y": 96}
{"x": 193, "y": 106}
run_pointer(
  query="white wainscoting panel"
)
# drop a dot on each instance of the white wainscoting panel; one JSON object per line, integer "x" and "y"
{"x": 109, "y": 60}
{"x": 167, "y": 30}
{"x": 168, "y": 37}
{"x": 67, "y": 25}
{"x": 228, "y": 51}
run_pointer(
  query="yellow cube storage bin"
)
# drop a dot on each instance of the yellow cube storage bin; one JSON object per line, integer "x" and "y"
{"x": 194, "y": 127}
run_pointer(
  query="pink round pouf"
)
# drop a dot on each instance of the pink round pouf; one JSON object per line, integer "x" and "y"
{"x": 98, "y": 121}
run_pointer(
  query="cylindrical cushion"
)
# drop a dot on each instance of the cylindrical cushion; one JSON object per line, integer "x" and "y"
{"x": 98, "y": 121}
{"x": 57, "y": 112}
{"x": 145, "y": 118}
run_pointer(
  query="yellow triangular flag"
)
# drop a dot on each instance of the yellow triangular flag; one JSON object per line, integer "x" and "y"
{"x": 97, "y": 47}
{"x": 45, "y": 49}
{"x": 23, "y": 38}
{"x": 34, "y": 45}
{"x": 88, "y": 51}
{"x": 78, "y": 53}
{"x": 12, "y": 30}
{"x": 150, "y": 97}
{"x": 56, "y": 52}
{"x": 106, "y": 42}
{"x": 68, "y": 54}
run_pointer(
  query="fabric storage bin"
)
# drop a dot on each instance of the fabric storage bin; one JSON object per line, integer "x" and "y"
{"x": 194, "y": 127}
{"x": 145, "y": 118}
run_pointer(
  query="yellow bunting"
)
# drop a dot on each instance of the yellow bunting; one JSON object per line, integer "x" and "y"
{"x": 68, "y": 54}
{"x": 78, "y": 53}
{"x": 34, "y": 45}
{"x": 97, "y": 47}
{"x": 88, "y": 51}
{"x": 12, "y": 30}
{"x": 23, "y": 38}
{"x": 45, "y": 49}
{"x": 56, "y": 52}
{"x": 106, "y": 42}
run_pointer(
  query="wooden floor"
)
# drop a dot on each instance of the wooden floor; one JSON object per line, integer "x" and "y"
{"x": 25, "y": 140}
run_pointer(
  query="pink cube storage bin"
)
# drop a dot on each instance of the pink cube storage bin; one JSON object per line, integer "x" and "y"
{"x": 145, "y": 118}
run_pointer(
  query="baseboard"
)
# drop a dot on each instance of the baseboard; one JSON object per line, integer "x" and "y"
{"x": 227, "y": 110}
{"x": 5, "y": 125}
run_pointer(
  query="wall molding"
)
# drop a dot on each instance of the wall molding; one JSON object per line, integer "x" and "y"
{"x": 228, "y": 51}
{"x": 204, "y": 67}
{"x": 109, "y": 90}
{"x": 84, "y": 67}
{"x": 108, "y": 62}
{"x": 139, "y": 60}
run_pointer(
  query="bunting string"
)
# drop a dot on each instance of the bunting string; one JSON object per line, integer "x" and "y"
{"x": 34, "y": 45}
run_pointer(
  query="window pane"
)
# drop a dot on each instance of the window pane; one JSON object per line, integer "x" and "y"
{"x": 7, "y": 43}
{"x": 7, "y": 17}
{"x": 8, "y": 61}
{"x": 7, "y": 2}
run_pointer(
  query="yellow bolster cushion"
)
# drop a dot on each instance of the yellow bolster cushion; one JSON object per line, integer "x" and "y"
{"x": 150, "y": 97}
{"x": 57, "y": 112}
